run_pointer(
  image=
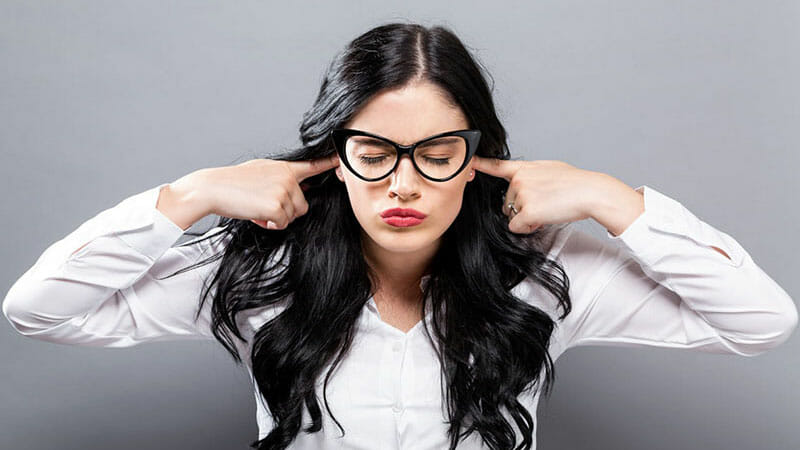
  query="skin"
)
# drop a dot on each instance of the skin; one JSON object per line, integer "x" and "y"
{"x": 546, "y": 192}
{"x": 543, "y": 192}
{"x": 401, "y": 256}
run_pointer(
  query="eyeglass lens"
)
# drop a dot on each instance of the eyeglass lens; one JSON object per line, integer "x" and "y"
{"x": 437, "y": 158}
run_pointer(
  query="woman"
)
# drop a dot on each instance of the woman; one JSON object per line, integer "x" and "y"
{"x": 400, "y": 267}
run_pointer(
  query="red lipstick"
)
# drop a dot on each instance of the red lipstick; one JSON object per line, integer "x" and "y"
{"x": 402, "y": 217}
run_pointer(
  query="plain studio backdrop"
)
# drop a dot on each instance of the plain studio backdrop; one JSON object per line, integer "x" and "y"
{"x": 102, "y": 100}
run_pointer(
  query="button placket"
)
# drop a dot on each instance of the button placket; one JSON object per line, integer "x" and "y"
{"x": 398, "y": 359}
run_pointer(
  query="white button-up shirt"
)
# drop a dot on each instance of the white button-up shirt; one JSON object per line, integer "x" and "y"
{"x": 659, "y": 283}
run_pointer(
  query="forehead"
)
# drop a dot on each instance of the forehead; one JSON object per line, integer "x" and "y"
{"x": 409, "y": 114}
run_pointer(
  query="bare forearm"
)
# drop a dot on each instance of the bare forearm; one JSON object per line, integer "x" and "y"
{"x": 615, "y": 205}
{"x": 181, "y": 201}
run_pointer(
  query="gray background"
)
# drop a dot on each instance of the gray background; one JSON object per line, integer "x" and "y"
{"x": 101, "y": 100}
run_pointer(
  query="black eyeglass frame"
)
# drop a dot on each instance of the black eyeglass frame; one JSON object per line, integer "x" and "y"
{"x": 340, "y": 136}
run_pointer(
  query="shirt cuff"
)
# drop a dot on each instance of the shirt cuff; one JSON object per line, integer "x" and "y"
{"x": 664, "y": 219}
{"x": 135, "y": 221}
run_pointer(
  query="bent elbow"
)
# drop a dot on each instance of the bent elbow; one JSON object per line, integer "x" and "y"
{"x": 776, "y": 322}
{"x": 775, "y": 332}
{"x": 22, "y": 317}
{"x": 785, "y": 318}
{"x": 12, "y": 311}
{"x": 786, "y": 324}
{"x": 19, "y": 318}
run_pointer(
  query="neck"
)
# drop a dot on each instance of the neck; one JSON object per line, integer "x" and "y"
{"x": 399, "y": 273}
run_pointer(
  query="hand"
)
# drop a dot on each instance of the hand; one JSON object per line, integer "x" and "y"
{"x": 265, "y": 191}
{"x": 543, "y": 192}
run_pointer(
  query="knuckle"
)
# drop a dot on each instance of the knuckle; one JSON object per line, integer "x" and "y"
{"x": 280, "y": 220}
{"x": 275, "y": 208}
{"x": 301, "y": 208}
{"x": 288, "y": 173}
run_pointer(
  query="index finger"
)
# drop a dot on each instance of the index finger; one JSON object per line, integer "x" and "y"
{"x": 305, "y": 169}
{"x": 495, "y": 167}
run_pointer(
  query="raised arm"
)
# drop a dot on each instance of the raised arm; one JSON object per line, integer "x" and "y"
{"x": 99, "y": 286}
{"x": 670, "y": 284}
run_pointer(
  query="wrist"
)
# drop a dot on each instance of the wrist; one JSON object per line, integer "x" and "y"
{"x": 614, "y": 205}
{"x": 182, "y": 202}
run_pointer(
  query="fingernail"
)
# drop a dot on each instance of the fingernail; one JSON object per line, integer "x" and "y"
{"x": 271, "y": 225}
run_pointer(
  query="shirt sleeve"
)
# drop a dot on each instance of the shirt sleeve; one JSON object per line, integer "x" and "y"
{"x": 665, "y": 286}
{"x": 100, "y": 285}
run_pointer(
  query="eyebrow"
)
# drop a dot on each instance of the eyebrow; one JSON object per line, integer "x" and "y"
{"x": 420, "y": 140}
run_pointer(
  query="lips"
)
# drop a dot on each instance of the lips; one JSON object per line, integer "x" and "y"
{"x": 403, "y": 212}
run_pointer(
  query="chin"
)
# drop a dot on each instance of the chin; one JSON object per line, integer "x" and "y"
{"x": 401, "y": 240}
{"x": 403, "y": 244}
{"x": 399, "y": 249}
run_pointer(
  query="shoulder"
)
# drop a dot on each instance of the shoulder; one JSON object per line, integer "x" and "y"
{"x": 587, "y": 262}
{"x": 208, "y": 242}
{"x": 585, "y": 259}
{"x": 580, "y": 252}
{"x": 551, "y": 238}
{"x": 214, "y": 242}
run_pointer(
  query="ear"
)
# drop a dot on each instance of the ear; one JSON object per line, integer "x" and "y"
{"x": 339, "y": 173}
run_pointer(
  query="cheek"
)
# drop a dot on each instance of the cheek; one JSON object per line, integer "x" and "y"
{"x": 451, "y": 204}
{"x": 361, "y": 197}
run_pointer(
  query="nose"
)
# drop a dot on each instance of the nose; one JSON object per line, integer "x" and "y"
{"x": 405, "y": 179}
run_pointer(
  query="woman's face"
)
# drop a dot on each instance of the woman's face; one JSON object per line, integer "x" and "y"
{"x": 405, "y": 116}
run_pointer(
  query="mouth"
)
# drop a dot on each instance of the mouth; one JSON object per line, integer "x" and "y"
{"x": 403, "y": 212}
{"x": 402, "y": 217}
{"x": 398, "y": 221}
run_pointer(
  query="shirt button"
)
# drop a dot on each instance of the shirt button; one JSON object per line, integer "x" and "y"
{"x": 397, "y": 347}
{"x": 398, "y": 408}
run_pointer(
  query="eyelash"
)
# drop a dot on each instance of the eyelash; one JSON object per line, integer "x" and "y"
{"x": 439, "y": 161}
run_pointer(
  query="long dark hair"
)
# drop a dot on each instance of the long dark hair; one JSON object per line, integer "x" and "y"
{"x": 492, "y": 345}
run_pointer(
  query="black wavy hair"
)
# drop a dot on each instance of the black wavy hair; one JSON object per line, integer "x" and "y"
{"x": 492, "y": 345}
